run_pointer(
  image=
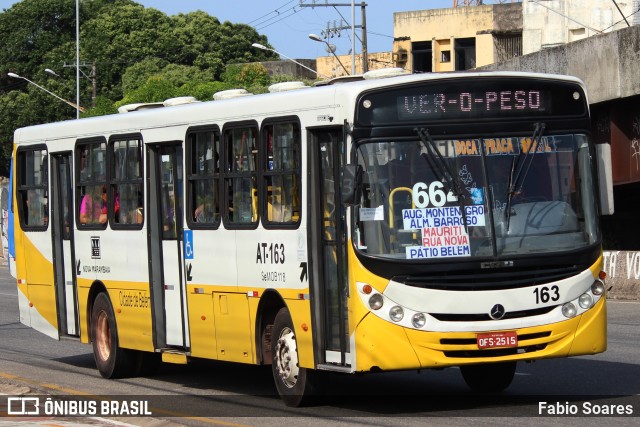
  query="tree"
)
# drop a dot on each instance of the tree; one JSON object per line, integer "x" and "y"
{"x": 156, "y": 89}
{"x": 139, "y": 55}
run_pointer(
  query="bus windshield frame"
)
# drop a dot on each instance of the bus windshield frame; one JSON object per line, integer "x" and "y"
{"x": 474, "y": 169}
{"x": 520, "y": 197}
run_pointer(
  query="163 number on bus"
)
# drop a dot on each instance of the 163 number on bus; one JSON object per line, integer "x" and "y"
{"x": 544, "y": 294}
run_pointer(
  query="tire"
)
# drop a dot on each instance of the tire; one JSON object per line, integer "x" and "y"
{"x": 293, "y": 383}
{"x": 111, "y": 360}
{"x": 490, "y": 377}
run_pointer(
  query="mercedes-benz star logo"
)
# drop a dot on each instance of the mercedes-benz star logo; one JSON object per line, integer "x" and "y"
{"x": 497, "y": 312}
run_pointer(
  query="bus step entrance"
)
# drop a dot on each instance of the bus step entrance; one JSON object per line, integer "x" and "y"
{"x": 170, "y": 355}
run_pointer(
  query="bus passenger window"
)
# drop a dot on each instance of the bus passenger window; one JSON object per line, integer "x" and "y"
{"x": 91, "y": 191}
{"x": 240, "y": 181}
{"x": 32, "y": 184}
{"x": 203, "y": 178}
{"x": 126, "y": 189}
{"x": 281, "y": 174}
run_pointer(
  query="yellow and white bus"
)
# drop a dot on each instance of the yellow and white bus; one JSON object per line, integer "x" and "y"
{"x": 381, "y": 224}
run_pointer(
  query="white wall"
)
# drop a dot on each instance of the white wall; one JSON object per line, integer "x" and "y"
{"x": 548, "y": 23}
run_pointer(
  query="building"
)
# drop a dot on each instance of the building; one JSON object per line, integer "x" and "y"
{"x": 553, "y": 23}
{"x": 330, "y": 65}
{"x": 455, "y": 39}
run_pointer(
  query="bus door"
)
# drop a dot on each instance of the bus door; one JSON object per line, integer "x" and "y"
{"x": 165, "y": 230}
{"x": 62, "y": 239}
{"x": 329, "y": 274}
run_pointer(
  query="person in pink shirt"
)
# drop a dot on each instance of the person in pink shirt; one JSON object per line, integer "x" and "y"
{"x": 93, "y": 208}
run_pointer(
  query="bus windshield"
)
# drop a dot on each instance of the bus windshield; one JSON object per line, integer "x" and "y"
{"x": 435, "y": 199}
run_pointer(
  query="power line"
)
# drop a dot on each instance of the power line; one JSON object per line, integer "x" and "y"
{"x": 276, "y": 11}
{"x": 616, "y": 23}
{"x": 281, "y": 18}
{"x": 380, "y": 34}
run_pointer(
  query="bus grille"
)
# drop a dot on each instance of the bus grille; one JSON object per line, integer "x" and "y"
{"x": 486, "y": 280}
{"x": 523, "y": 347}
{"x": 479, "y": 317}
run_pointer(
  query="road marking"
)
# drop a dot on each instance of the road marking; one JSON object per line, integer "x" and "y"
{"x": 82, "y": 393}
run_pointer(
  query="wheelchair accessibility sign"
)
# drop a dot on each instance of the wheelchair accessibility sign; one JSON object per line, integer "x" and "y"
{"x": 188, "y": 244}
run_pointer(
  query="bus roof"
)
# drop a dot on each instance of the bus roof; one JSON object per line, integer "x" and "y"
{"x": 286, "y": 103}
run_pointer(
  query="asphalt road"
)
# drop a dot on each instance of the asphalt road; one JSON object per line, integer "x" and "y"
{"x": 206, "y": 392}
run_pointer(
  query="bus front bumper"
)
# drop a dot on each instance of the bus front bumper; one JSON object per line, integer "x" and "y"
{"x": 381, "y": 345}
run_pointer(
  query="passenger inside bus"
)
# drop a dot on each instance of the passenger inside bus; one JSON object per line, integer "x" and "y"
{"x": 137, "y": 215}
{"x": 93, "y": 208}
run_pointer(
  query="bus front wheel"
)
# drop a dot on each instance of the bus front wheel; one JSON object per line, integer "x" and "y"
{"x": 490, "y": 377}
{"x": 111, "y": 360}
{"x": 292, "y": 382}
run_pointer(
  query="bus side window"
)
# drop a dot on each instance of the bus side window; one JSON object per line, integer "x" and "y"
{"x": 126, "y": 183}
{"x": 91, "y": 188}
{"x": 240, "y": 181}
{"x": 203, "y": 174}
{"x": 281, "y": 174}
{"x": 32, "y": 184}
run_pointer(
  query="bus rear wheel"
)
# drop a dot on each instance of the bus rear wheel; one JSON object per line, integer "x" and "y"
{"x": 292, "y": 382}
{"x": 111, "y": 360}
{"x": 490, "y": 377}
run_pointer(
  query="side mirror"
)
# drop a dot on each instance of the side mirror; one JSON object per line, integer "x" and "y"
{"x": 605, "y": 179}
{"x": 351, "y": 184}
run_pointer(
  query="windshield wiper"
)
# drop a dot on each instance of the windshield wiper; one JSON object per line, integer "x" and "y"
{"x": 441, "y": 167}
{"x": 514, "y": 186}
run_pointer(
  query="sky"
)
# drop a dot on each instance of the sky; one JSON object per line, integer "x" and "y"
{"x": 287, "y": 25}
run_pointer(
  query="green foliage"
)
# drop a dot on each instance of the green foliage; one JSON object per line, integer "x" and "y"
{"x": 156, "y": 89}
{"x": 103, "y": 107}
{"x": 138, "y": 73}
{"x": 244, "y": 75}
{"x": 132, "y": 53}
{"x": 203, "y": 91}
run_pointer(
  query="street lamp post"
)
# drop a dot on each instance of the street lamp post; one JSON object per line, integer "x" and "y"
{"x": 263, "y": 47}
{"x": 91, "y": 77}
{"x": 331, "y": 49}
{"x": 76, "y": 106}
{"x": 50, "y": 71}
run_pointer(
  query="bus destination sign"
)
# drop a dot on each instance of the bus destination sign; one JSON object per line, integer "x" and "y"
{"x": 461, "y": 104}
{"x": 479, "y": 99}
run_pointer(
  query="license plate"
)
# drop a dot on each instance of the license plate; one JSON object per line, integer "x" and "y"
{"x": 497, "y": 340}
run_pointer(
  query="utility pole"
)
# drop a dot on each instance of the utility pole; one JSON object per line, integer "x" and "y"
{"x": 91, "y": 77}
{"x": 365, "y": 59}
{"x": 94, "y": 84}
{"x": 336, "y": 29}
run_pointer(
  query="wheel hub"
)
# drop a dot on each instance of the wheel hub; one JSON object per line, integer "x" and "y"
{"x": 103, "y": 336}
{"x": 286, "y": 358}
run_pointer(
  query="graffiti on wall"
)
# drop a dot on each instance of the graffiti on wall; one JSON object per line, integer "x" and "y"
{"x": 635, "y": 142}
{"x": 623, "y": 265}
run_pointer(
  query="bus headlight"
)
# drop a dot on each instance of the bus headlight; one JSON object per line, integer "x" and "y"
{"x": 396, "y": 313}
{"x": 585, "y": 301}
{"x": 597, "y": 288}
{"x": 569, "y": 310}
{"x": 418, "y": 320}
{"x": 376, "y": 301}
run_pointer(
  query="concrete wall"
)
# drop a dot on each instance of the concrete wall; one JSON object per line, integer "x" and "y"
{"x": 609, "y": 64}
{"x": 552, "y": 23}
{"x": 623, "y": 274}
{"x": 291, "y": 68}
{"x": 329, "y": 65}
